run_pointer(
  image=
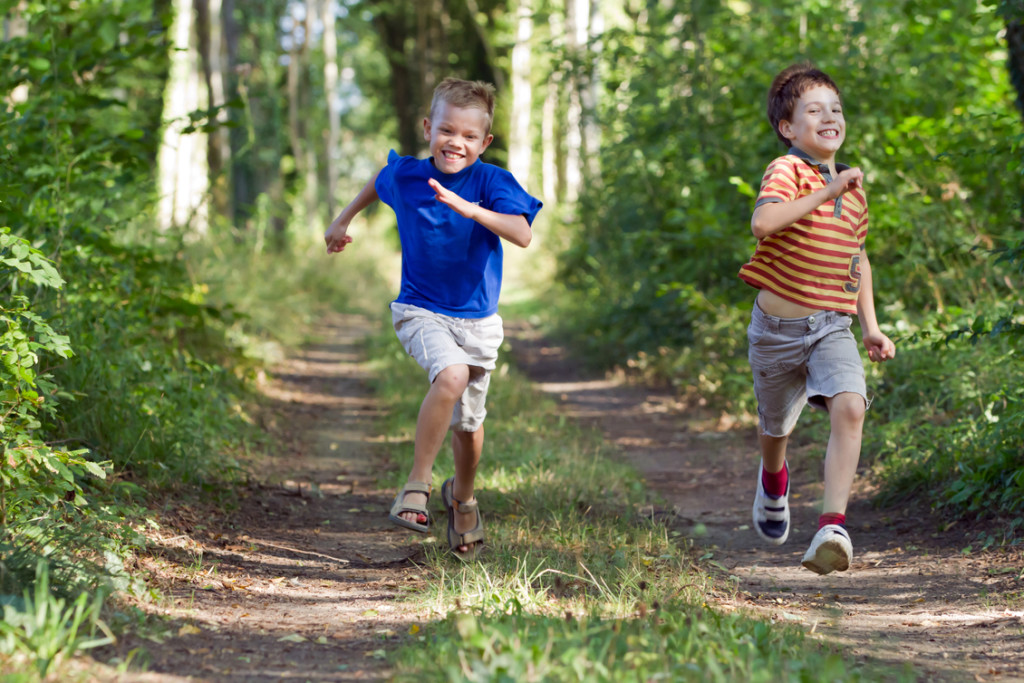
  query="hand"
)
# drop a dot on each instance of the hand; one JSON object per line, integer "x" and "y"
{"x": 336, "y": 237}
{"x": 880, "y": 347}
{"x": 850, "y": 179}
{"x": 446, "y": 196}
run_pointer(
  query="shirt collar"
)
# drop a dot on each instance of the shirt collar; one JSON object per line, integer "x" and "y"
{"x": 822, "y": 167}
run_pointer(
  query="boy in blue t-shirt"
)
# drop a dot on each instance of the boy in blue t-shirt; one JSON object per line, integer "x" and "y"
{"x": 452, "y": 210}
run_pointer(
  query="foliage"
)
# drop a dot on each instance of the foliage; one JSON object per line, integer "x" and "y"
{"x": 649, "y": 279}
{"x": 150, "y": 400}
{"x": 31, "y": 471}
{"x": 950, "y": 429}
{"x": 41, "y": 632}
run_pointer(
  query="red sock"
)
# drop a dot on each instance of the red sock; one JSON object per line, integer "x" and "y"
{"x": 832, "y": 518}
{"x": 775, "y": 482}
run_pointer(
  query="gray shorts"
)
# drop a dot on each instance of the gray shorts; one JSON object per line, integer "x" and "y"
{"x": 439, "y": 341}
{"x": 801, "y": 360}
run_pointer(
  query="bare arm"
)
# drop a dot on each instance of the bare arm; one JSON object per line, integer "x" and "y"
{"x": 336, "y": 235}
{"x": 772, "y": 217}
{"x": 514, "y": 228}
{"x": 879, "y": 346}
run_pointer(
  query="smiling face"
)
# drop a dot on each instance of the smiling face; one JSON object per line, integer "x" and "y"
{"x": 817, "y": 125}
{"x": 457, "y": 135}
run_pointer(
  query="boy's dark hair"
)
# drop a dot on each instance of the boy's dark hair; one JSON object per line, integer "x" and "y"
{"x": 465, "y": 94}
{"x": 787, "y": 88}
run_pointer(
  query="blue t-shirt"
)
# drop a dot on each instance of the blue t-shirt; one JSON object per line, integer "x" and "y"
{"x": 450, "y": 264}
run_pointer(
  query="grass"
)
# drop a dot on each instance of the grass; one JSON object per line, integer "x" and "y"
{"x": 575, "y": 585}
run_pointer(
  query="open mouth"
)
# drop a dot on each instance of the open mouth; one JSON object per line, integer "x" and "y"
{"x": 451, "y": 156}
{"x": 829, "y": 133}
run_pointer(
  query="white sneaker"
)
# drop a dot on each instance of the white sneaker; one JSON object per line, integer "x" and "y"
{"x": 831, "y": 550}
{"x": 771, "y": 514}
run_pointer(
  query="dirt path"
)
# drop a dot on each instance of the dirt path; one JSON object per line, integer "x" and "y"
{"x": 300, "y": 582}
{"x": 911, "y": 595}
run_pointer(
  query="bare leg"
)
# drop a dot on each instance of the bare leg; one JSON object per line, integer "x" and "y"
{"x": 432, "y": 426}
{"x": 773, "y": 452}
{"x": 467, "y": 448}
{"x": 846, "y": 413}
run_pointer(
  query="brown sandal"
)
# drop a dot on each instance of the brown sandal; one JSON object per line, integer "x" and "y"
{"x": 474, "y": 538}
{"x": 399, "y": 506}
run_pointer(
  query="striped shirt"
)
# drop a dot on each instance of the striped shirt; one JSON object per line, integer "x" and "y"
{"x": 814, "y": 262}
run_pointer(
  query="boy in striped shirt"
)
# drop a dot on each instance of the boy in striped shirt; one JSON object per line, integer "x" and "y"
{"x": 811, "y": 221}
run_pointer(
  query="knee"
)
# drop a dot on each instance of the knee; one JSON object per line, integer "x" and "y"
{"x": 452, "y": 381}
{"x": 848, "y": 408}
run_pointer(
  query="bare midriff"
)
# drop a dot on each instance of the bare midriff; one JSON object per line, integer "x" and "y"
{"x": 773, "y": 304}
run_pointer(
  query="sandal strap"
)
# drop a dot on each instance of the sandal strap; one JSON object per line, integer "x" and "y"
{"x": 465, "y": 508}
{"x": 416, "y": 487}
{"x": 472, "y": 536}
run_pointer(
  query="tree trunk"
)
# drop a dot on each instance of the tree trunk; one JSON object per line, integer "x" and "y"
{"x": 590, "y": 96}
{"x": 577, "y": 19}
{"x": 390, "y": 24}
{"x": 1015, "y": 61}
{"x": 238, "y": 136}
{"x": 182, "y": 161}
{"x": 333, "y": 113}
{"x": 210, "y": 43}
{"x": 520, "y": 141}
{"x": 311, "y": 181}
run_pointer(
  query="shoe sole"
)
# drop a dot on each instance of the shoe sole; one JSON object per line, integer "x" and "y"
{"x": 829, "y": 557}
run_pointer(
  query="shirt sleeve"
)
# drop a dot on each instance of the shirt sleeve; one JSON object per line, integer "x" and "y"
{"x": 779, "y": 183}
{"x": 505, "y": 195}
{"x": 385, "y": 184}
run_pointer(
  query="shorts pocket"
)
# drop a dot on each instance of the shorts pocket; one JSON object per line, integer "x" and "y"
{"x": 774, "y": 370}
{"x": 755, "y": 333}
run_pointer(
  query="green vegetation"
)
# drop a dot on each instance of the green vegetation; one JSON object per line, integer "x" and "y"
{"x": 127, "y": 349}
{"x": 649, "y": 278}
{"x": 576, "y": 584}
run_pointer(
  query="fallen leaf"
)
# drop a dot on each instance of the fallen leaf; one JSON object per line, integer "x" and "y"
{"x": 187, "y": 630}
{"x": 291, "y": 638}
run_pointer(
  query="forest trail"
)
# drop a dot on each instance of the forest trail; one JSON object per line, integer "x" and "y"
{"x": 911, "y": 594}
{"x": 300, "y": 583}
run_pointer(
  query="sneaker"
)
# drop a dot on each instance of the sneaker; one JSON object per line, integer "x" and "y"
{"x": 831, "y": 550}
{"x": 771, "y": 513}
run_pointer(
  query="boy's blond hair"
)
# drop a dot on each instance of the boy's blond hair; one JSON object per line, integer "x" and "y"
{"x": 465, "y": 94}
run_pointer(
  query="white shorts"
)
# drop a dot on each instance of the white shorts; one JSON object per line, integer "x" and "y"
{"x": 439, "y": 341}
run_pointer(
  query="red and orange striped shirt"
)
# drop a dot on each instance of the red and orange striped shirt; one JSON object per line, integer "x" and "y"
{"x": 814, "y": 262}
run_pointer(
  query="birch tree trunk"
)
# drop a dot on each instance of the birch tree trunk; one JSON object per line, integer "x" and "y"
{"x": 333, "y": 113}
{"x": 520, "y": 140}
{"x": 549, "y": 144}
{"x": 183, "y": 169}
{"x": 590, "y": 94}
{"x": 577, "y": 18}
